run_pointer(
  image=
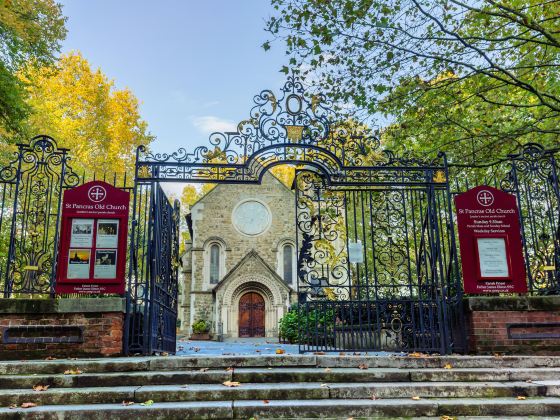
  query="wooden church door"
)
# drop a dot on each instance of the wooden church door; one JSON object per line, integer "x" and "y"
{"x": 251, "y": 315}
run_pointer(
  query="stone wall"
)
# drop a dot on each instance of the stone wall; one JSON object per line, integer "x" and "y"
{"x": 518, "y": 324}
{"x": 40, "y": 328}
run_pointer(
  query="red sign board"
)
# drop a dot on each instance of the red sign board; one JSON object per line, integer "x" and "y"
{"x": 93, "y": 237}
{"x": 490, "y": 241}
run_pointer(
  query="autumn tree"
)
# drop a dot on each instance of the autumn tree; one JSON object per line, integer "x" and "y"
{"x": 84, "y": 111}
{"x": 489, "y": 57}
{"x": 30, "y": 35}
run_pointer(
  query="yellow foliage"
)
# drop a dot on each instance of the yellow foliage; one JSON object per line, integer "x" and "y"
{"x": 83, "y": 111}
{"x": 285, "y": 173}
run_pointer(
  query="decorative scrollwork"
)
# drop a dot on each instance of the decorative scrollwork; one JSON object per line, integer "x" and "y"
{"x": 37, "y": 175}
{"x": 292, "y": 127}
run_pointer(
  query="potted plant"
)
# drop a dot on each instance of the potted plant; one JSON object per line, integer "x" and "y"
{"x": 200, "y": 330}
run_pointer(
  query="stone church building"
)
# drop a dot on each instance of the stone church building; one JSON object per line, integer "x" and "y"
{"x": 239, "y": 269}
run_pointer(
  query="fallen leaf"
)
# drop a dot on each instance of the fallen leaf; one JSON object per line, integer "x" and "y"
{"x": 149, "y": 402}
{"x": 164, "y": 354}
{"x": 280, "y": 351}
{"x": 231, "y": 383}
{"x": 127, "y": 403}
{"x": 415, "y": 398}
{"x": 28, "y": 405}
{"x": 319, "y": 353}
{"x": 342, "y": 353}
{"x": 257, "y": 351}
{"x": 40, "y": 387}
{"x": 363, "y": 366}
{"x": 416, "y": 354}
{"x": 72, "y": 372}
{"x": 521, "y": 397}
{"x": 448, "y": 366}
{"x": 266, "y": 401}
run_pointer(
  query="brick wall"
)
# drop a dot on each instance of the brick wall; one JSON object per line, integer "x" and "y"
{"x": 36, "y": 329}
{"x": 522, "y": 325}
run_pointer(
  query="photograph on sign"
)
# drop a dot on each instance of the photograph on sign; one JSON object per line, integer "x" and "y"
{"x": 107, "y": 233}
{"x": 105, "y": 264}
{"x": 82, "y": 233}
{"x": 78, "y": 263}
{"x": 492, "y": 257}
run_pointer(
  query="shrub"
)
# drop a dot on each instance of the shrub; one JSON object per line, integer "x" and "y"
{"x": 201, "y": 327}
{"x": 298, "y": 324}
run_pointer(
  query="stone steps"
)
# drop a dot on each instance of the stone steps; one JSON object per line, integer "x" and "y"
{"x": 283, "y": 386}
{"x": 135, "y": 364}
{"x": 277, "y": 391}
{"x": 494, "y": 408}
{"x": 273, "y": 375}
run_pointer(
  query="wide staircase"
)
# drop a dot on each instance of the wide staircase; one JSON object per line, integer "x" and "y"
{"x": 282, "y": 386}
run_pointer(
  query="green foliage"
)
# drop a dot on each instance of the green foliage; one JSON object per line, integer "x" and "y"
{"x": 297, "y": 323}
{"x": 450, "y": 75}
{"x": 201, "y": 327}
{"x": 30, "y": 35}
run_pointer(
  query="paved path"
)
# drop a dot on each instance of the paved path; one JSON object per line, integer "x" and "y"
{"x": 232, "y": 347}
{"x": 243, "y": 347}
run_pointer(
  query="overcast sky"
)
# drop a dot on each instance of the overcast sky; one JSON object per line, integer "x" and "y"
{"x": 194, "y": 64}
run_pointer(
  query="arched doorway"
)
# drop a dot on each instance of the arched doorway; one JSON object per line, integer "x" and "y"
{"x": 251, "y": 315}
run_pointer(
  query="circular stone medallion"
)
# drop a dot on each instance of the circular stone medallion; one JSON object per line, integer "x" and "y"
{"x": 251, "y": 217}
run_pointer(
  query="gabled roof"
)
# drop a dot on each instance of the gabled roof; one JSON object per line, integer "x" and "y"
{"x": 239, "y": 266}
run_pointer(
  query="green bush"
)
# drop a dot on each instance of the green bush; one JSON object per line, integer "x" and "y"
{"x": 298, "y": 324}
{"x": 201, "y": 327}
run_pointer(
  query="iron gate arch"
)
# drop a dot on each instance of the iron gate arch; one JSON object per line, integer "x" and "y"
{"x": 300, "y": 129}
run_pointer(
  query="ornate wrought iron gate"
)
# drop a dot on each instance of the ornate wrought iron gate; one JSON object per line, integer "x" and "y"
{"x": 533, "y": 175}
{"x": 406, "y": 294}
{"x": 151, "y": 320}
{"x": 377, "y": 269}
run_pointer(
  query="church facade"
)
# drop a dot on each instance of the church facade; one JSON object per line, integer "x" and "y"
{"x": 239, "y": 269}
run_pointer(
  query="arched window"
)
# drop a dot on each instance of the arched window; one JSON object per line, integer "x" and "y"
{"x": 214, "y": 263}
{"x": 287, "y": 257}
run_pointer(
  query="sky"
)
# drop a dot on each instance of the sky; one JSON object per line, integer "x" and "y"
{"x": 195, "y": 65}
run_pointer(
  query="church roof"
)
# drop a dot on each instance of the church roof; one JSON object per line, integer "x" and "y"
{"x": 238, "y": 267}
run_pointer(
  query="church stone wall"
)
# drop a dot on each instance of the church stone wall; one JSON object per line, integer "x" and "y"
{"x": 212, "y": 220}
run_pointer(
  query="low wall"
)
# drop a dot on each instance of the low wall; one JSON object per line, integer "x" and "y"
{"x": 517, "y": 324}
{"x": 40, "y": 328}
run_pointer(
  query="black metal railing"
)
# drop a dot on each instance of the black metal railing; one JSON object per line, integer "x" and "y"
{"x": 31, "y": 187}
{"x": 406, "y": 294}
{"x": 532, "y": 175}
